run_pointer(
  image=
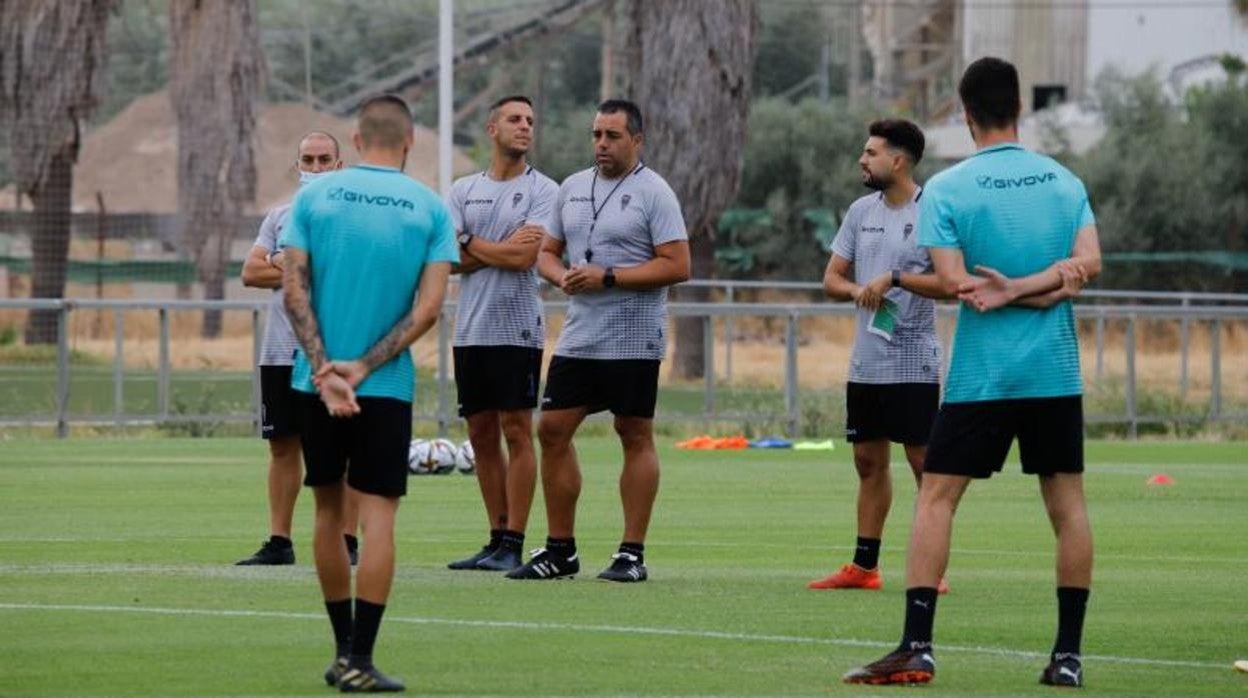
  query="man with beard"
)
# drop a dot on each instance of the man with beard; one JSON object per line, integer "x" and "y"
{"x": 501, "y": 216}
{"x": 893, "y": 390}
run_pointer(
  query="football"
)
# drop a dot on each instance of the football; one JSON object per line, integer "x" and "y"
{"x": 465, "y": 459}
{"x": 442, "y": 453}
{"x": 418, "y": 457}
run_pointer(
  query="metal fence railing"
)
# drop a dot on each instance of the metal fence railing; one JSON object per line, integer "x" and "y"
{"x": 114, "y": 402}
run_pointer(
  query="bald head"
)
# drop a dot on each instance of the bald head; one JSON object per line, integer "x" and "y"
{"x": 385, "y": 123}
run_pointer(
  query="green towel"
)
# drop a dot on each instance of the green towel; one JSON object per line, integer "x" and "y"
{"x": 814, "y": 445}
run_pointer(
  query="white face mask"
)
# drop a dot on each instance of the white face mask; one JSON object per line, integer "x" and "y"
{"x": 305, "y": 177}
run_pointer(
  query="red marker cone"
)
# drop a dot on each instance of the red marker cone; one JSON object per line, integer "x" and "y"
{"x": 1161, "y": 479}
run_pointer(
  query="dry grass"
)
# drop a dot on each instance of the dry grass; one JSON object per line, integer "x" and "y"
{"x": 758, "y": 351}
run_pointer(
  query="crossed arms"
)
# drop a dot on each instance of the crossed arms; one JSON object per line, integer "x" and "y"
{"x": 516, "y": 253}
{"x": 336, "y": 381}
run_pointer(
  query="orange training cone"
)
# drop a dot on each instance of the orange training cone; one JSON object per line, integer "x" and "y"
{"x": 1161, "y": 479}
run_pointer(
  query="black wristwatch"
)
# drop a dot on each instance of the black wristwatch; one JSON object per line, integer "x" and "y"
{"x": 464, "y": 239}
{"x": 608, "y": 278}
{"x": 896, "y": 278}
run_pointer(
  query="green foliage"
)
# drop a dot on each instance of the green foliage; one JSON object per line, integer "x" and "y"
{"x": 801, "y": 168}
{"x": 1167, "y": 178}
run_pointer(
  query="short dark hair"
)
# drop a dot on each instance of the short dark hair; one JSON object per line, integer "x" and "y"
{"x": 325, "y": 134}
{"x": 384, "y": 121}
{"x": 630, "y": 109}
{"x": 493, "y": 113}
{"x": 989, "y": 92}
{"x": 900, "y": 134}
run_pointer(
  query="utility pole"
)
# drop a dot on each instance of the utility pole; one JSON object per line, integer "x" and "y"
{"x": 853, "y": 83}
{"x": 606, "y": 88}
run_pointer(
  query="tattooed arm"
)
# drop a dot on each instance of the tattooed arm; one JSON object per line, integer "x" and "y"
{"x": 425, "y": 310}
{"x": 297, "y": 280}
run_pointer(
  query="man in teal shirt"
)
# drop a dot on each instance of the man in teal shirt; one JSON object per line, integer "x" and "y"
{"x": 368, "y": 253}
{"x": 1022, "y": 222}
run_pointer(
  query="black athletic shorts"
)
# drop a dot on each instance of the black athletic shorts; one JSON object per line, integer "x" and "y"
{"x": 973, "y": 438}
{"x": 369, "y": 448}
{"x": 899, "y": 412}
{"x": 496, "y": 378}
{"x": 279, "y": 403}
{"x": 627, "y": 387}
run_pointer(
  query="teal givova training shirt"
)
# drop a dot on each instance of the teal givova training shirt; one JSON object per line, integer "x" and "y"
{"x": 369, "y": 232}
{"x": 1017, "y": 212}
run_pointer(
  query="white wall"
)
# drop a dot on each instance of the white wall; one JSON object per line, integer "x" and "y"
{"x": 1135, "y": 38}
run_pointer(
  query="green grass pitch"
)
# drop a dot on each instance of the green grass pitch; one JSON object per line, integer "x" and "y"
{"x": 115, "y": 579}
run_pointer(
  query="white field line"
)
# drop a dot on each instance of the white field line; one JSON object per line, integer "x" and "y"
{"x": 600, "y": 629}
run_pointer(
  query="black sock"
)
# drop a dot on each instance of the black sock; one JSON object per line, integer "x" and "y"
{"x": 496, "y": 535}
{"x": 920, "y": 614}
{"x": 637, "y": 549}
{"x": 1072, "y": 603}
{"x": 510, "y": 540}
{"x": 563, "y": 547}
{"x": 281, "y": 542}
{"x": 867, "y": 554}
{"x": 367, "y": 623}
{"x": 353, "y": 543}
{"x": 340, "y": 618}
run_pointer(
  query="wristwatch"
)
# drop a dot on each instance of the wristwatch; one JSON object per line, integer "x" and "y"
{"x": 896, "y": 278}
{"x": 464, "y": 239}
{"x": 608, "y": 278}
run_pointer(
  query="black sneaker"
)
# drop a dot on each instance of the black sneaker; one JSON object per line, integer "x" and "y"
{"x": 368, "y": 680}
{"x": 353, "y": 550}
{"x": 625, "y": 567}
{"x": 547, "y": 565}
{"x": 501, "y": 560}
{"x": 335, "y": 671}
{"x": 1067, "y": 672}
{"x": 470, "y": 563}
{"x": 897, "y": 667}
{"x": 270, "y": 553}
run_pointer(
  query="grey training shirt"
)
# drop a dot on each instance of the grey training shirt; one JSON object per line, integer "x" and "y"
{"x": 278, "y": 347}
{"x": 878, "y": 239}
{"x": 636, "y": 213}
{"x": 500, "y": 307}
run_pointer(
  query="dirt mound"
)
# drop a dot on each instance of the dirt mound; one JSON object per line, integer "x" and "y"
{"x": 131, "y": 159}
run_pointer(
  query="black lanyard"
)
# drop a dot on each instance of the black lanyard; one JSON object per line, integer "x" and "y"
{"x": 589, "y": 250}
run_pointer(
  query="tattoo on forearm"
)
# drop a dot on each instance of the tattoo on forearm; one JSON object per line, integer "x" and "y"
{"x": 395, "y": 341}
{"x": 298, "y": 282}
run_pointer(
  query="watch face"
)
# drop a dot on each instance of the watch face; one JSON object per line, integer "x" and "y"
{"x": 464, "y": 238}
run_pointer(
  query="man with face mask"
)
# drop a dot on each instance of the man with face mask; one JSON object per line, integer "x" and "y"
{"x": 318, "y": 156}
{"x": 893, "y": 390}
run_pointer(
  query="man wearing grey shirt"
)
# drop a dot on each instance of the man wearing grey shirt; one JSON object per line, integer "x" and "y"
{"x": 501, "y": 216}
{"x": 318, "y": 155}
{"x": 621, "y": 228}
{"x": 894, "y": 372}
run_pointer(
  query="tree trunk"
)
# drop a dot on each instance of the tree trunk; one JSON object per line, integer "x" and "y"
{"x": 216, "y": 70}
{"x": 50, "y": 245}
{"x": 690, "y": 74}
{"x": 51, "y": 52}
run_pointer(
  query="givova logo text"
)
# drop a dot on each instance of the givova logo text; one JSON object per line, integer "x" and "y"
{"x": 344, "y": 194}
{"x": 990, "y": 182}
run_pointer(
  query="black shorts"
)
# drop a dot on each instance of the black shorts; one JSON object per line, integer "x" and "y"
{"x": 279, "y": 403}
{"x": 899, "y": 412}
{"x": 369, "y": 448}
{"x": 973, "y": 438}
{"x": 496, "y": 378}
{"x": 627, "y": 387}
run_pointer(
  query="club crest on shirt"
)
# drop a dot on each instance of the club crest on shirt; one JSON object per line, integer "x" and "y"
{"x": 624, "y": 201}
{"x": 905, "y": 232}
{"x": 515, "y": 199}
